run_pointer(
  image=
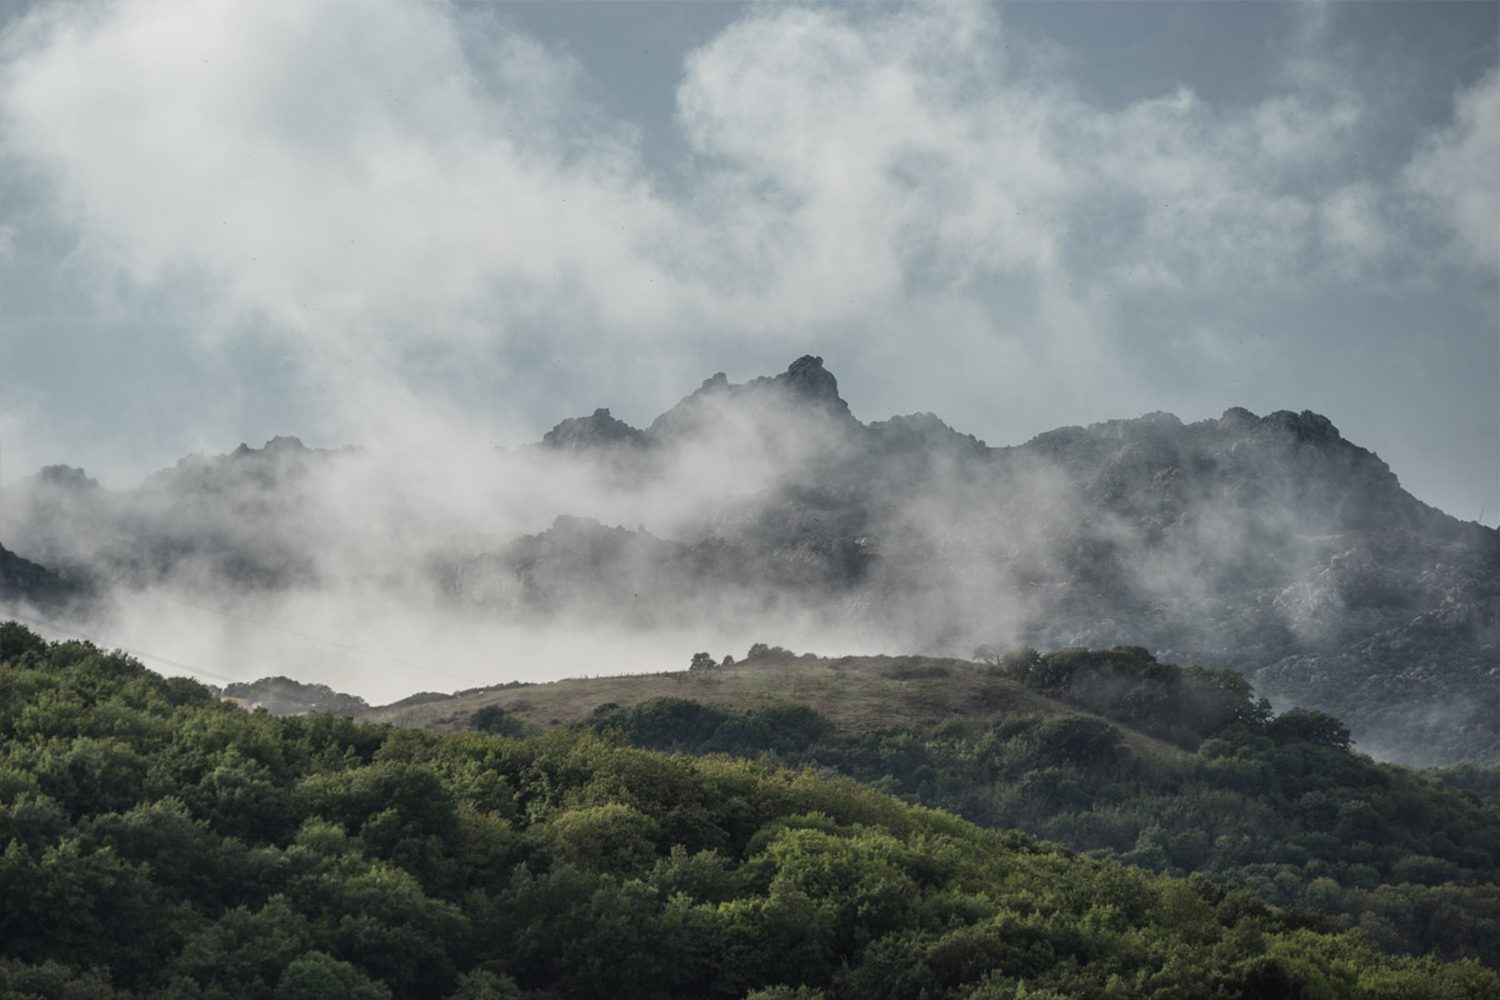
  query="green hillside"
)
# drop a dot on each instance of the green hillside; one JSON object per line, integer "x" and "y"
{"x": 1176, "y": 770}
{"x": 856, "y": 693}
{"x": 159, "y": 842}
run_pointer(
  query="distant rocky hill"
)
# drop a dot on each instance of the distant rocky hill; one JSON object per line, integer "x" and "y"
{"x": 1266, "y": 543}
{"x": 24, "y": 583}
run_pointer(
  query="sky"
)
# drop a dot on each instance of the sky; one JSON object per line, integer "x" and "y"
{"x": 397, "y": 224}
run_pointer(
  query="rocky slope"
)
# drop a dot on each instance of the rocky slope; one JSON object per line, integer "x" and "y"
{"x": 25, "y": 584}
{"x": 1266, "y": 543}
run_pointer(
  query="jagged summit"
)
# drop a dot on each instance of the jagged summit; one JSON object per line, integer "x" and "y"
{"x": 599, "y": 430}
{"x": 1305, "y": 426}
{"x": 806, "y": 378}
{"x": 66, "y": 477}
{"x": 921, "y": 432}
{"x": 280, "y": 444}
{"x": 805, "y": 387}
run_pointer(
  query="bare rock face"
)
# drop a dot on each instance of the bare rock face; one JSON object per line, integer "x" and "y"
{"x": 806, "y": 379}
{"x": 599, "y": 430}
{"x": 26, "y": 584}
{"x": 67, "y": 478}
{"x": 922, "y": 432}
{"x": 805, "y": 391}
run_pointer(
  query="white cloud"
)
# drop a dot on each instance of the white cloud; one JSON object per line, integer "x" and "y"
{"x": 378, "y": 182}
{"x": 322, "y": 157}
{"x": 1351, "y": 219}
{"x": 1457, "y": 169}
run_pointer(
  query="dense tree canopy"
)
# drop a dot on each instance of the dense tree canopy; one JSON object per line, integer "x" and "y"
{"x": 1279, "y": 806}
{"x": 158, "y": 842}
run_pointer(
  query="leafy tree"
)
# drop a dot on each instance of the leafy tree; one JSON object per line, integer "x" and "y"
{"x": 495, "y": 720}
{"x": 483, "y": 985}
{"x": 16, "y": 641}
{"x": 1300, "y": 725}
{"x": 1020, "y": 662}
{"x": 614, "y": 837}
{"x": 319, "y": 976}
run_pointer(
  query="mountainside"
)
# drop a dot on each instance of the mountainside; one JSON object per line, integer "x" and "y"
{"x": 23, "y": 582}
{"x": 1173, "y": 769}
{"x": 162, "y": 843}
{"x": 1264, "y": 543}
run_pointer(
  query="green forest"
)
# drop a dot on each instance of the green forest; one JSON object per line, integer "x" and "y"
{"x": 160, "y": 842}
{"x": 1277, "y": 805}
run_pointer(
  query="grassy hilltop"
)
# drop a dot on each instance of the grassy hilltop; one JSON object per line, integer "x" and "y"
{"x": 855, "y": 693}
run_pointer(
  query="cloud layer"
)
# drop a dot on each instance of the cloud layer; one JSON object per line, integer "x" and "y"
{"x": 419, "y": 205}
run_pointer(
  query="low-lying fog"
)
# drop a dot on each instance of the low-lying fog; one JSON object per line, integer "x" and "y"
{"x": 766, "y": 512}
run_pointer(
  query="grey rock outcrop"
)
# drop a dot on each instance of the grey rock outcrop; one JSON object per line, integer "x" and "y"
{"x": 599, "y": 430}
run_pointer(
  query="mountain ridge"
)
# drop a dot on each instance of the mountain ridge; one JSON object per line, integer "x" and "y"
{"x": 1270, "y": 544}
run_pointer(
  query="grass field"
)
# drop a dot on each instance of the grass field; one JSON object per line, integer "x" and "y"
{"x": 858, "y": 693}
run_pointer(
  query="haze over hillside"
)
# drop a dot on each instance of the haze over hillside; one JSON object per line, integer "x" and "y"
{"x": 766, "y": 511}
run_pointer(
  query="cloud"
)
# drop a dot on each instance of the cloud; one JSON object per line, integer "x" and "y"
{"x": 418, "y": 204}
{"x": 1455, "y": 171}
{"x": 343, "y": 182}
{"x": 413, "y": 196}
{"x": 901, "y": 149}
{"x": 1351, "y": 220}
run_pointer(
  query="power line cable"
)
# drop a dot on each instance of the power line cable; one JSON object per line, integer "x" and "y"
{"x": 142, "y": 655}
{"x": 315, "y": 638}
{"x": 139, "y": 654}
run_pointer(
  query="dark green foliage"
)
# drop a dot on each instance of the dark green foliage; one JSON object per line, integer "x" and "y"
{"x": 1300, "y": 725}
{"x": 1483, "y": 783}
{"x": 284, "y": 696}
{"x": 494, "y": 720}
{"x": 1020, "y": 662}
{"x": 1281, "y": 806}
{"x": 676, "y": 724}
{"x": 1183, "y": 705}
{"x": 16, "y": 640}
{"x": 157, "y": 842}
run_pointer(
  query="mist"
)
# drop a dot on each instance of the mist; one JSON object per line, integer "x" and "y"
{"x": 766, "y": 511}
{"x": 420, "y": 237}
{"x": 380, "y": 574}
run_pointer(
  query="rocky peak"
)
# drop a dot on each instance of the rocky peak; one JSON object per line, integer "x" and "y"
{"x": 1307, "y": 426}
{"x": 1154, "y": 425}
{"x": 598, "y": 430}
{"x": 805, "y": 383}
{"x": 807, "y": 379}
{"x": 278, "y": 445}
{"x": 1237, "y": 418}
{"x": 66, "y": 477}
{"x": 922, "y": 431}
